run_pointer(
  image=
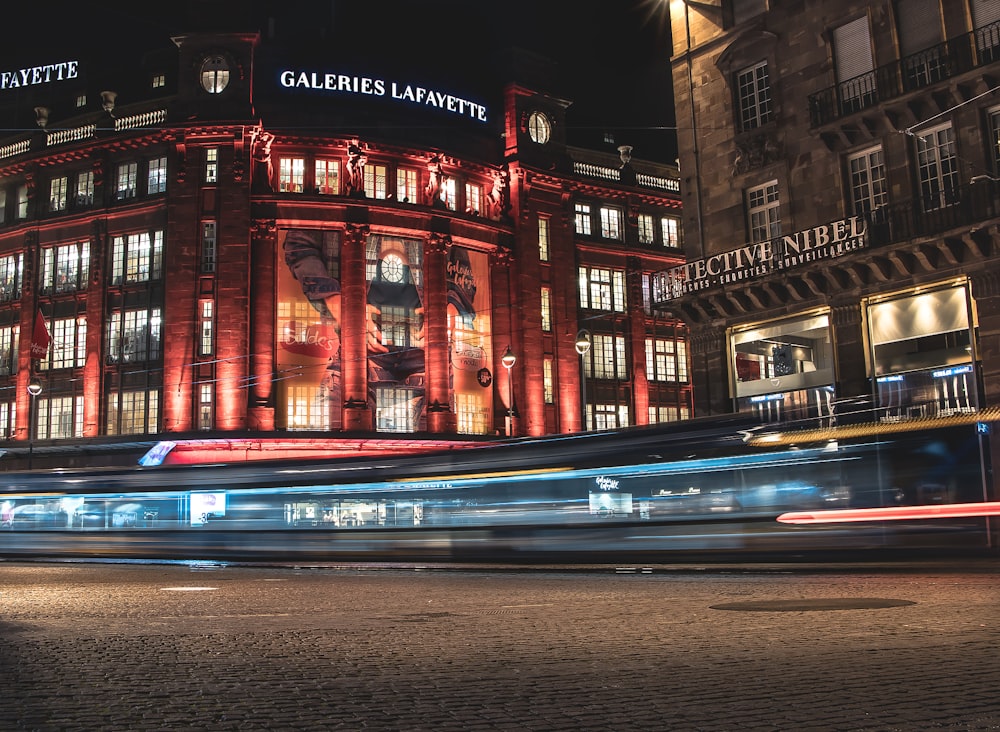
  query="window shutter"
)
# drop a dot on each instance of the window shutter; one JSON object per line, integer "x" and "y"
{"x": 919, "y": 25}
{"x": 852, "y": 49}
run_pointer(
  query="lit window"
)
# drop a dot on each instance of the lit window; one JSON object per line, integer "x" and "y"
{"x": 85, "y": 189}
{"x": 602, "y": 289}
{"x": 10, "y": 277}
{"x": 328, "y": 177}
{"x": 9, "y": 335}
{"x": 65, "y": 268}
{"x": 159, "y": 80}
{"x": 670, "y": 230}
{"x": 539, "y": 128}
{"x": 134, "y": 335}
{"x": 69, "y": 343}
{"x": 406, "y": 185}
{"x": 473, "y": 199}
{"x": 59, "y": 417}
{"x": 763, "y": 212}
{"x": 211, "y": 165}
{"x": 375, "y": 181}
{"x": 548, "y": 388}
{"x": 22, "y": 201}
{"x": 157, "y": 179}
{"x": 611, "y": 222}
{"x": 647, "y": 234}
{"x": 608, "y": 416}
{"x": 81, "y": 100}
{"x": 291, "y": 175}
{"x": 136, "y": 257}
{"x": 128, "y": 174}
{"x": 205, "y": 407}
{"x": 3, "y": 205}
{"x": 206, "y": 340}
{"x": 133, "y": 412}
{"x": 448, "y": 194}
{"x": 543, "y": 239}
{"x": 754, "y": 96}
{"x": 214, "y": 74}
{"x": 208, "y": 246}
{"x": 581, "y": 220}
{"x": 546, "y": 309}
{"x": 666, "y": 360}
{"x": 606, "y": 358}
{"x": 58, "y": 188}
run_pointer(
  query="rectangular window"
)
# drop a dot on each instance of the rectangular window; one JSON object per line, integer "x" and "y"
{"x": 867, "y": 181}
{"x": 159, "y": 80}
{"x": 328, "y": 177}
{"x": 763, "y": 212}
{"x": 58, "y": 191}
{"x": 670, "y": 230}
{"x": 606, "y": 359}
{"x": 448, "y": 194}
{"x": 136, "y": 258}
{"x": 608, "y": 416}
{"x": 647, "y": 233}
{"x": 798, "y": 351}
{"x": 473, "y": 417}
{"x": 753, "y": 97}
{"x": 85, "y": 189}
{"x": 133, "y": 412}
{"x": 212, "y": 165}
{"x": 602, "y": 289}
{"x": 157, "y": 178}
{"x": 206, "y": 340}
{"x": 396, "y": 408}
{"x": 666, "y": 360}
{"x": 3, "y": 205}
{"x": 659, "y": 415}
{"x": 548, "y": 387}
{"x": 10, "y": 277}
{"x": 9, "y": 335}
{"x": 8, "y": 419}
{"x": 128, "y": 175}
{"x": 376, "y": 181}
{"x": 994, "y": 139}
{"x": 581, "y": 220}
{"x": 134, "y": 335}
{"x": 543, "y": 239}
{"x": 22, "y": 201}
{"x": 59, "y": 417}
{"x": 473, "y": 199}
{"x": 852, "y": 49}
{"x": 65, "y": 268}
{"x": 208, "y": 247}
{"x": 546, "y": 309}
{"x": 206, "y": 410}
{"x": 611, "y": 222}
{"x": 937, "y": 166}
{"x": 291, "y": 175}
{"x": 81, "y": 100}
{"x": 69, "y": 343}
{"x": 406, "y": 186}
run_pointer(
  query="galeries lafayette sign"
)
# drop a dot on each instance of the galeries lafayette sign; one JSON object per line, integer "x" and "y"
{"x": 827, "y": 241}
{"x": 32, "y": 75}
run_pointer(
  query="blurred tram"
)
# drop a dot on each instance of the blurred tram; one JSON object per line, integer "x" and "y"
{"x": 706, "y": 488}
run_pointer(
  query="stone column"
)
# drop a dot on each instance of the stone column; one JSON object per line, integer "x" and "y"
{"x": 358, "y": 413}
{"x": 263, "y": 255}
{"x": 437, "y": 351}
{"x": 93, "y": 370}
{"x": 636, "y": 325}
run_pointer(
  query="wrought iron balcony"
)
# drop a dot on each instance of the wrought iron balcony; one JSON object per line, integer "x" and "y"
{"x": 910, "y": 73}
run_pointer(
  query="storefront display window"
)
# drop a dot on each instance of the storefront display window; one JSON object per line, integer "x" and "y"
{"x": 781, "y": 357}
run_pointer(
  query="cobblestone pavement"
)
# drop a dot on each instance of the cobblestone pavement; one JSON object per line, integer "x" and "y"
{"x": 212, "y": 647}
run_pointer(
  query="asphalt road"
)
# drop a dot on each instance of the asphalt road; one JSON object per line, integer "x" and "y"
{"x": 214, "y": 647}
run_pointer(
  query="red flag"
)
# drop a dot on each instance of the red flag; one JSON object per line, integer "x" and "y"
{"x": 40, "y": 338}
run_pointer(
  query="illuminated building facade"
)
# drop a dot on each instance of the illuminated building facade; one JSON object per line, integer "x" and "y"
{"x": 227, "y": 239}
{"x": 839, "y": 176}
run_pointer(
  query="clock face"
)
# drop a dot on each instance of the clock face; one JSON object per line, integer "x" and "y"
{"x": 392, "y": 268}
{"x": 539, "y": 128}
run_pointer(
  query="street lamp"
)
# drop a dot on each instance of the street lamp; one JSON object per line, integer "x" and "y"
{"x": 34, "y": 389}
{"x": 508, "y": 360}
{"x": 582, "y": 346}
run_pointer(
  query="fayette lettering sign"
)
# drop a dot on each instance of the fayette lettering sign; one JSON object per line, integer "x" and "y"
{"x": 373, "y": 87}
{"x": 827, "y": 241}
{"x": 32, "y": 75}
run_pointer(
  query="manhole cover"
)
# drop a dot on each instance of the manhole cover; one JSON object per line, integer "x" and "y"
{"x": 822, "y": 603}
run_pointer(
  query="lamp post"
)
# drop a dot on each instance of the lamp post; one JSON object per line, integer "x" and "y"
{"x": 34, "y": 389}
{"x": 508, "y": 360}
{"x": 582, "y": 346}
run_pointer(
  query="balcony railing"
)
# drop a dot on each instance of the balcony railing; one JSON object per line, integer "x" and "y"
{"x": 949, "y": 209}
{"x": 916, "y": 71}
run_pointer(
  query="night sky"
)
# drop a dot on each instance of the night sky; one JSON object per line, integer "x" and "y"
{"x": 612, "y": 56}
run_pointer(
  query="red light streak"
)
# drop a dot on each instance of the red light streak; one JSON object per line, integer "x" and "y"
{"x": 893, "y": 513}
